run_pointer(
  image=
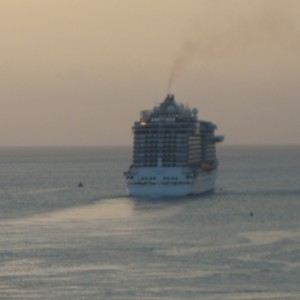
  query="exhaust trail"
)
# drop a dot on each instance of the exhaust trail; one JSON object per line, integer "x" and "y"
{"x": 226, "y": 28}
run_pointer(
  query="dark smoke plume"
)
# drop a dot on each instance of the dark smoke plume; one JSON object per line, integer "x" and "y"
{"x": 227, "y": 28}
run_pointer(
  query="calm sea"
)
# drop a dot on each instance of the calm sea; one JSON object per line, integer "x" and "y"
{"x": 61, "y": 241}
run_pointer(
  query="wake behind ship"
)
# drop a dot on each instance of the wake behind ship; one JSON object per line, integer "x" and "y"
{"x": 174, "y": 153}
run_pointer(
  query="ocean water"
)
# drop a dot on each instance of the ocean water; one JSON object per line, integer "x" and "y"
{"x": 60, "y": 241}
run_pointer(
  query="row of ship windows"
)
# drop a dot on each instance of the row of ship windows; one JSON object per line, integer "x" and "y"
{"x": 170, "y": 146}
{"x": 155, "y": 155}
{"x": 170, "y": 152}
{"x": 165, "y": 127}
{"x": 159, "y": 152}
{"x": 155, "y": 136}
{"x": 170, "y": 160}
{"x": 160, "y": 136}
{"x": 142, "y": 142}
{"x": 164, "y": 178}
{"x": 155, "y": 148}
{"x": 148, "y": 141}
{"x": 186, "y": 130}
{"x": 154, "y": 178}
{"x": 163, "y": 183}
{"x": 168, "y": 156}
{"x": 164, "y": 159}
{"x": 181, "y": 128}
{"x": 164, "y": 152}
{"x": 175, "y": 143}
{"x": 159, "y": 148}
{"x": 142, "y": 139}
{"x": 163, "y": 138}
{"x": 160, "y": 145}
{"x": 146, "y": 178}
{"x": 156, "y": 145}
{"x": 156, "y": 133}
{"x": 164, "y": 164}
{"x": 154, "y": 165}
{"x": 142, "y": 157}
{"x": 190, "y": 133}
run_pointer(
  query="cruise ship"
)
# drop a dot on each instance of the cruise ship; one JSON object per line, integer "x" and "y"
{"x": 174, "y": 152}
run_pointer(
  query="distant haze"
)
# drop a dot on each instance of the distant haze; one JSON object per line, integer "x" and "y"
{"x": 78, "y": 72}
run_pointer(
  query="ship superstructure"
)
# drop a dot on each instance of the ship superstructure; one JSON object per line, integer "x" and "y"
{"x": 174, "y": 152}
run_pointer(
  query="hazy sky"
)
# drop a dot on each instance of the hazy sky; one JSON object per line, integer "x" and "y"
{"x": 78, "y": 72}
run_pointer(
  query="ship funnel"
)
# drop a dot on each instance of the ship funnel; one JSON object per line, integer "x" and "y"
{"x": 169, "y": 98}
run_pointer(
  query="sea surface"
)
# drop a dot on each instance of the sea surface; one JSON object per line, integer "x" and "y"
{"x": 61, "y": 241}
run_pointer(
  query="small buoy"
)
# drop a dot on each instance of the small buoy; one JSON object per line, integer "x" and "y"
{"x": 251, "y": 214}
{"x": 80, "y": 184}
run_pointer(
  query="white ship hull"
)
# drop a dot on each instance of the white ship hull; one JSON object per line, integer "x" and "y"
{"x": 174, "y": 152}
{"x": 203, "y": 182}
